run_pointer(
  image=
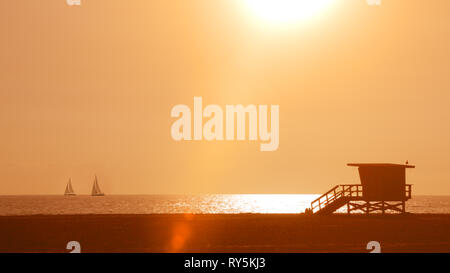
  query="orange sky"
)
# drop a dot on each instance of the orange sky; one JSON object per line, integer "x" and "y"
{"x": 88, "y": 90}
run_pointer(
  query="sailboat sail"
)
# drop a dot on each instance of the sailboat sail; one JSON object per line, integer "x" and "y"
{"x": 69, "y": 189}
{"x": 96, "y": 189}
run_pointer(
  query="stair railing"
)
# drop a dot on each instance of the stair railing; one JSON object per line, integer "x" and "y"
{"x": 343, "y": 190}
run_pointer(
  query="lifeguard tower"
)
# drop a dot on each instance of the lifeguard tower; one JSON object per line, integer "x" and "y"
{"x": 383, "y": 187}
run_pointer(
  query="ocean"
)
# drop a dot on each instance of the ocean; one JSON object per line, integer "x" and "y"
{"x": 172, "y": 204}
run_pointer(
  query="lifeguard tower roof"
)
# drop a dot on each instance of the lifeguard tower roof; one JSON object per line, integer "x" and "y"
{"x": 380, "y": 165}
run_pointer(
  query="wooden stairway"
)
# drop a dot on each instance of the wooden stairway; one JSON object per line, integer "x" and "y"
{"x": 337, "y": 197}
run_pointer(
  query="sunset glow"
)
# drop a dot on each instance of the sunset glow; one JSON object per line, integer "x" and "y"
{"x": 217, "y": 135}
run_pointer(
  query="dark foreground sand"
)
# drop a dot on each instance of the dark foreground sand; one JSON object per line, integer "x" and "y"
{"x": 225, "y": 233}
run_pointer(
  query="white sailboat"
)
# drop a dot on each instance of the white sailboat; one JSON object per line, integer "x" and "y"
{"x": 96, "y": 189}
{"x": 69, "y": 190}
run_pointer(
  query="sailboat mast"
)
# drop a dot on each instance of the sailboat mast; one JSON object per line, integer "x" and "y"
{"x": 69, "y": 189}
{"x": 70, "y": 185}
{"x": 93, "y": 186}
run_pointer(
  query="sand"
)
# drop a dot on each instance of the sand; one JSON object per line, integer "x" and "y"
{"x": 225, "y": 233}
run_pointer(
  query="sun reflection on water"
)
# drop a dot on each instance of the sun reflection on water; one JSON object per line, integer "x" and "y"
{"x": 261, "y": 203}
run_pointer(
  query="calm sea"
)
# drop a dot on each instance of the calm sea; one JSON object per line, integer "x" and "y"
{"x": 211, "y": 203}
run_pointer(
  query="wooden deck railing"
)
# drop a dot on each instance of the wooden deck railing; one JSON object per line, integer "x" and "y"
{"x": 408, "y": 191}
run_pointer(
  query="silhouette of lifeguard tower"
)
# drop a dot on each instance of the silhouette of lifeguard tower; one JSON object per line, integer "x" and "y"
{"x": 383, "y": 187}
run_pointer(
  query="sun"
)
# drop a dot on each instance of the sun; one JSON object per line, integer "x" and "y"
{"x": 287, "y": 11}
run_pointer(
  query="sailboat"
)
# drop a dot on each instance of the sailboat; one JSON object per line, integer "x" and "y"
{"x": 69, "y": 190}
{"x": 96, "y": 189}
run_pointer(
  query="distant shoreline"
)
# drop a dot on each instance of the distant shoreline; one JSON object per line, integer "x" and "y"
{"x": 225, "y": 233}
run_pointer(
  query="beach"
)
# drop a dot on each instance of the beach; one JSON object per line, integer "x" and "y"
{"x": 240, "y": 233}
